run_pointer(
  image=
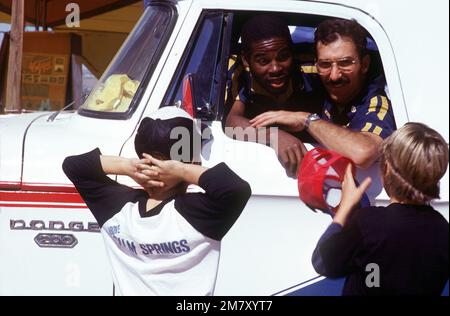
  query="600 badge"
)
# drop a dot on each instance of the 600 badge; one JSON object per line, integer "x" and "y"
{"x": 55, "y": 240}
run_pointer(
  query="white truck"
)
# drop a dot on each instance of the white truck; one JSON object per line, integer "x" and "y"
{"x": 49, "y": 241}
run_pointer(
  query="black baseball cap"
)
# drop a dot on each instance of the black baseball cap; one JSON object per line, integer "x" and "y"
{"x": 169, "y": 133}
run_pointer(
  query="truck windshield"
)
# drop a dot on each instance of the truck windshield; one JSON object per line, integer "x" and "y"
{"x": 133, "y": 64}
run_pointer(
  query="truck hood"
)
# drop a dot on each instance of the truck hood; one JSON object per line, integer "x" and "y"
{"x": 47, "y": 144}
{"x": 13, "y": 128}
{"x": 32, "y": 149}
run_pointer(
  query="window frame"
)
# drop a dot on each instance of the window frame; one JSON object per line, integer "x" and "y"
{"x": 377, "y": 28}
{"x": 221, "y": 71}
{"x": 173, "y": 17}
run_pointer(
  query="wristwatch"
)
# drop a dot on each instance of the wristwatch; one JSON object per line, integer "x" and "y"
{"x": 311, "y": 118}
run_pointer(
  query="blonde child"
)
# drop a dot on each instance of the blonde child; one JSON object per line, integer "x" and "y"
{"x": 401, "y": 249}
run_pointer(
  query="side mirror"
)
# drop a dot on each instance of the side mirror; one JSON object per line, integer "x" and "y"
{"x": 192, "y": 101}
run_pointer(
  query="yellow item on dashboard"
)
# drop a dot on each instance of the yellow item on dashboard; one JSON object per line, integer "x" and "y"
{"x": 115, "y": 95}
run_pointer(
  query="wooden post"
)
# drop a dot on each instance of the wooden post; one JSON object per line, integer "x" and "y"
{"x": 76, "y": 70}
{"x": 77, "y": 81}
{"x": 13, "y": 101}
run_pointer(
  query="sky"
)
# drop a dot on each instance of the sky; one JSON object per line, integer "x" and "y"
{"x": 4, "y": 27}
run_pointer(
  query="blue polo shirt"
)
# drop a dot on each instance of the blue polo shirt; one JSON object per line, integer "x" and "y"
{"x": 370, "y": 112}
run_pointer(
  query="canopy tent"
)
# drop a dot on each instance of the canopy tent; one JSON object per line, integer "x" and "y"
{"x": 52, "y": 13}
{"x": 108, "y": 31}
{"x": 104, "y": 24}
{"x": 4, "y": 18}
{"x": 117, "y": 21}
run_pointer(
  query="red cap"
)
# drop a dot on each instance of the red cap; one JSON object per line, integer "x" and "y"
{"x": 320, "y": 178}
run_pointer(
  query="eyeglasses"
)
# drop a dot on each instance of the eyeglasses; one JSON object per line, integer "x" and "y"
{"x": 345, "y": 64}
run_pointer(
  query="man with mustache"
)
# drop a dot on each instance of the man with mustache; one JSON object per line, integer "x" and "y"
{"x": 357, "y": 115}
{"x": 273, "y": 81}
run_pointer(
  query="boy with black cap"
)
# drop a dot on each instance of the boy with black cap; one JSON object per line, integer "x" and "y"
{"x": 162, "y": 241}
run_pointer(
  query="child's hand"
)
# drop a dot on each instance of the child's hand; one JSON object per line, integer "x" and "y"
{"x": 141, "y": 172}
{"x": 161, "y": 173}
{"x": 351, "y": 195}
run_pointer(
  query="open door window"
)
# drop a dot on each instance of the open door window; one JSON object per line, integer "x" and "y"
{"x": 197, "y": 84}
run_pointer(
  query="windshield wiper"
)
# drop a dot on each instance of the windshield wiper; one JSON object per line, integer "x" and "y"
{"x": 55, "y": 115}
